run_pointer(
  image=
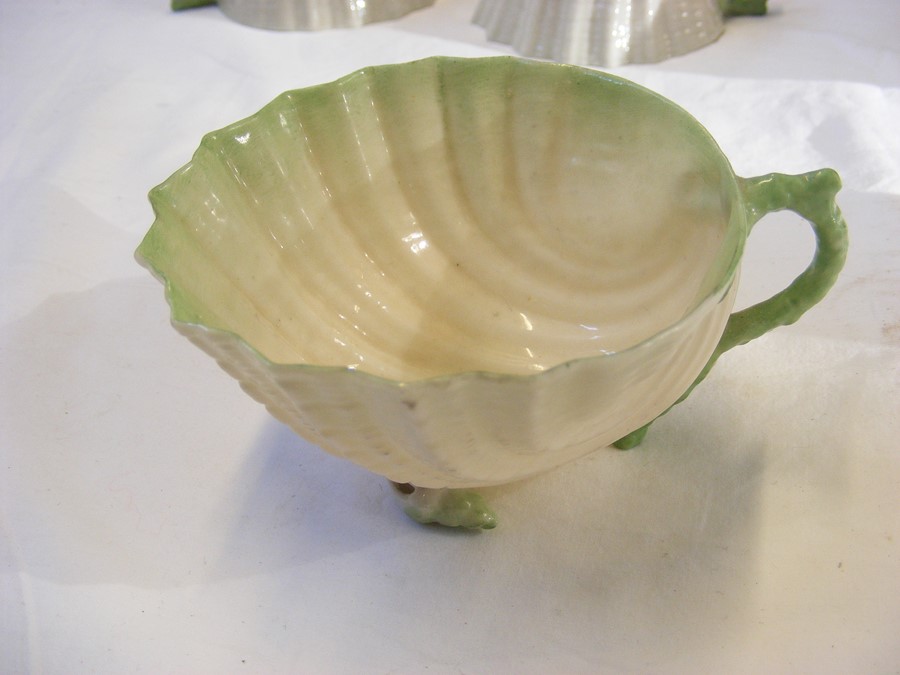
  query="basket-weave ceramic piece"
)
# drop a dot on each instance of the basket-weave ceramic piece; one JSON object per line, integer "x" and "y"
{"x": 607, "y": 32}
{"x": 309, "y": 14}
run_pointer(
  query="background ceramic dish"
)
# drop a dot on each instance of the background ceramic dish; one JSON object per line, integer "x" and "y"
{"x": 309, "y": 14}
{"x": 464, "y": 272}
{"x": 608, "y": 32}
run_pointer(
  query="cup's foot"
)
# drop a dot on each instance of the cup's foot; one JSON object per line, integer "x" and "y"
{"x": 178, "y": 5}
{"x": 632, "y": 440}
{"x": 741, "y": 7}
{"x": 445, "y": 506}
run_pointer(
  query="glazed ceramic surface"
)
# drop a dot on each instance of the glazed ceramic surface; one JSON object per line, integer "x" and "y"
{"x": 317, "y": 14}
{"x": 607, "y": 32}
{"x": 459, "y": 272}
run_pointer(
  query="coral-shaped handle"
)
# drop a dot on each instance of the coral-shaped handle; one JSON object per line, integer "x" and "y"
{"x": 812, "y": 196}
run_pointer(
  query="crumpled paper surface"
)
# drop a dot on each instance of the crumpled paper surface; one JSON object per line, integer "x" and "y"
{"x": 154, "y": 518}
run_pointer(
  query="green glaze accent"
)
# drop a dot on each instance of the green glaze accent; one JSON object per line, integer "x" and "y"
{"x": 812, "y": 196}
{"x": 743, "y": 7}
{"x": 449, "y": 507}
{"x": 178, "y": 5}
{"x": 635, "y": 438}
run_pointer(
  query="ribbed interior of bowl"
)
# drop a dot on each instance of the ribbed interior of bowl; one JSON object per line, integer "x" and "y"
{"x": 448, "y": 215}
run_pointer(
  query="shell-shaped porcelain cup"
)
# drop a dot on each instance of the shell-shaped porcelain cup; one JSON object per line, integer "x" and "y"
{"x": 309, "y": 15}
{"x": 608, "y": 32}
{"x": 464, "y": 272}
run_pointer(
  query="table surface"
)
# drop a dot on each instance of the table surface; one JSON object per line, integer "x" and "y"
{"x": 155, "y": 519}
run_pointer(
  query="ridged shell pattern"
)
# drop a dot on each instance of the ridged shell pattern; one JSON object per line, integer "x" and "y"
{"x": 605, "y": 33}
{"x": 317, "y": 14}
{"x": 455, "y": 272}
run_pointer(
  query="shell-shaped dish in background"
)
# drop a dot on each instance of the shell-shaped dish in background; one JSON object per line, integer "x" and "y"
{"x": 455, "y": 272}
{"x": 317, "y": 14}
{"x": 601, "y": 32}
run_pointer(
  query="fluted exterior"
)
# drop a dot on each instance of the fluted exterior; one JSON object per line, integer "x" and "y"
{"x": 317, "y": 14}
{"x": 601, "y": 32}
{"x": 455, "y": 272}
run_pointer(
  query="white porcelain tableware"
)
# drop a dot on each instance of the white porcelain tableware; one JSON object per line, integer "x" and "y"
{"x": 608, "y": 32}
{"x": 464, "y": 272}
{"x": 309, "y": 15}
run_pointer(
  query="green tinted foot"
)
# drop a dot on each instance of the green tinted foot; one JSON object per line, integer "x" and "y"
{"x": 739, "y": 7}
{"x": 178, "y": 5}
{"x": 632, "y": 440}
{"x": 452, "y": 508}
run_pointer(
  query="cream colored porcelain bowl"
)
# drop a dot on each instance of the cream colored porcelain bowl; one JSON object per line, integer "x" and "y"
{"x": 464, "y": 272}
